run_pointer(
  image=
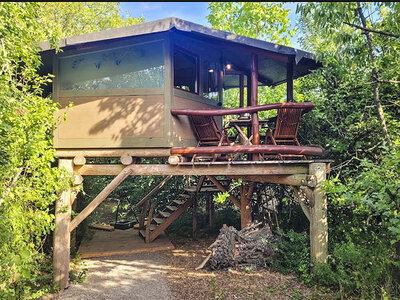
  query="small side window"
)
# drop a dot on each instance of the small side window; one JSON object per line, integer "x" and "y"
{"x": 210, "y": 80}
{"x": 186, "y": 71}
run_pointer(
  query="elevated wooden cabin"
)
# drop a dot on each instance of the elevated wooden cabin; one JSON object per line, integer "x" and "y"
{"x": 134, "y": 90}
{"x": 124, "y": 82}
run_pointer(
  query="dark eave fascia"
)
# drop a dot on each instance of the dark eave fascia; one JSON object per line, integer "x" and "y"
{"x": 181, "y": 25}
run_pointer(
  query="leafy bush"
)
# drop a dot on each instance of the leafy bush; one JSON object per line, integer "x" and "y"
{"x": 358, "y": 270}
{"x": 292, "y": 254}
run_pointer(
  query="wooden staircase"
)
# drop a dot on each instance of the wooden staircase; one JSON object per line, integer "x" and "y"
{"x": 158, "y": 222}
{"x": 162, "y": 219}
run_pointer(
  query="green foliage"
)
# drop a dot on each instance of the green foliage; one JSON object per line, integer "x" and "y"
{"x": 29, "y": 182}
{"x": 363, "y": 191}
{"x": 357, "y": 270}
{"x": 292, "y": 254}
{"x": 63, "y": 19}
{"x": 261, "y": 20}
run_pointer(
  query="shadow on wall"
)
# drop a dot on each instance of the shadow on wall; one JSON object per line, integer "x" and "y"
{"x": 114, "y": 118}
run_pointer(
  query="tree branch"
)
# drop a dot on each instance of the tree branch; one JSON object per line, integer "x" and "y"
{"x": 374, "y": 31}
{"x": 389, "y": 81}
{"x": 14, "y": 181}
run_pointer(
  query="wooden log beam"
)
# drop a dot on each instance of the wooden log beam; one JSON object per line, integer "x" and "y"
{"x": 79, "y": 160}
{"x": 200, "y": 183}
{"x": 241, "y": 110}
{"x": 197, "y": 170}
{"x": 62, "y": 237}
{"x": 126, "y": 159}
{"x": 155, "y": 190}
{"x": 318, "y": 216}
{"x": 267, "y": 149}
{"x": 294, "y": 180}
{"x": 304, "y": 207}
{"x": 100, "y": 197}
{"x": 142, "y": 216}
{"x": 139, "y": 152}
{"x": 223, "y": 190}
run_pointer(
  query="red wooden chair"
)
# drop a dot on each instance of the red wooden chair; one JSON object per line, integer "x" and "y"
{"x": 208, "y": 134}
{"x": 285, "y": 131}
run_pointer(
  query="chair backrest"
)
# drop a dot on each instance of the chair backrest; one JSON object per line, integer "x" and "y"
{"x": 287, "y": 123}
{"x": 206, "y": 128}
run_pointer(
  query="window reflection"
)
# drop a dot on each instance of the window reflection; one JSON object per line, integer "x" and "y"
{"x": 138, "y": 66}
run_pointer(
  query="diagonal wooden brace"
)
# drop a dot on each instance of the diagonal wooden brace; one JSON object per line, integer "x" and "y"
{"x": 99, "y": 198}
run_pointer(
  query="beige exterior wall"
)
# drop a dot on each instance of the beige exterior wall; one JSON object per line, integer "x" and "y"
{"x": 111, "y": 122}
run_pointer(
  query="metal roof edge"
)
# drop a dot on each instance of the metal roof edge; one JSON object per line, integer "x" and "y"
{"x": 166, "y": 24}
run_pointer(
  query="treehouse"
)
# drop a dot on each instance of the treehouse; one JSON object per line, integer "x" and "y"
{"x": 124, "y": 82}
{"x": 158, "y": 90}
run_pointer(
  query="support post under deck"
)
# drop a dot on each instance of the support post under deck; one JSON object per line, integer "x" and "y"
{"x": 318, "y": 215}
{"x": 62, "y": 237}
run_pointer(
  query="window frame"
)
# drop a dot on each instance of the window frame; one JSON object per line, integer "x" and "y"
{"x": 197, "y": 81}
{"x": 58, "y": 92}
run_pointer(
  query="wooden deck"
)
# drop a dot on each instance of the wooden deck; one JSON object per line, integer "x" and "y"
{"x": 118, "y": 242}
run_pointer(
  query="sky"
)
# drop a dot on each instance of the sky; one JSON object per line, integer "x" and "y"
{"x": 195, "y": 12}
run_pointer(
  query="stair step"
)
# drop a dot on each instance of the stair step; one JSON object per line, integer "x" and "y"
{"x": 165, "y": 214}
{"x": 142, "y": 233}
{"x": 152, "y": 227}
{"x": 184, "y": 196}
{"x": 172, "y": 208}
{"x": 210, "y": 189}
{"x": 158, "y": 220}
{"x": 179, "y": 202}
{"x": 190, "y": 189}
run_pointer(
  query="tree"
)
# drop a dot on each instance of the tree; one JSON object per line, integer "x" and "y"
{"x": 260, "y": 20}
{"x": 351, "y": 28}
{"x": 30, "y": 180}
{"x": 63, "y": 19}
{"x": 356, "y": 95}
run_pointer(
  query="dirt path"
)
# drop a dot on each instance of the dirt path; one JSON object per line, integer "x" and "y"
{"x": 135, "y": 276}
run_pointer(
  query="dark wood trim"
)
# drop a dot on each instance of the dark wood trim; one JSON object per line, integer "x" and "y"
{"x": 238, "y": 111}
{"x": 268, "y": 149}
{"x": 289, "y": 81}
{"x": 254, "y": 102}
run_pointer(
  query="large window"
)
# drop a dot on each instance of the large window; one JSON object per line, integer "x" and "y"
{"x": 186, "y": 71}
{"x": 136, "y": 66}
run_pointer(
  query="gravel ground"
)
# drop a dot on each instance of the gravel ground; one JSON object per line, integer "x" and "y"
{"x": 134, "y": 276}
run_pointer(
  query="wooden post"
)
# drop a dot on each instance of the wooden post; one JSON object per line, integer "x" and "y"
{"x": 254, "y": 101}
{"x": 194, "y": 211}
{"x": 62, "y": 238}
{"x": 318, "y": 216}
{"x": 245, "y": 208}
{"x": 249, "y": 132}
{"x": 212, "y": 213}
{"x": 289, "y": 82}
{"x": 241, "y": 90}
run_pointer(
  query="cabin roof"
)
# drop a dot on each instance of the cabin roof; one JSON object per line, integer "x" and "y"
{"x": 304, "y": 61}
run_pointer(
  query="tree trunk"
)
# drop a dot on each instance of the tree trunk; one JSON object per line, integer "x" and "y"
{"x": 374, "y": 76}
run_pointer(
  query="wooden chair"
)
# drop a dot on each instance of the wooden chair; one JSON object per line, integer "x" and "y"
{"x": 285, "y": 131}
{"x": 208, "y": 134}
